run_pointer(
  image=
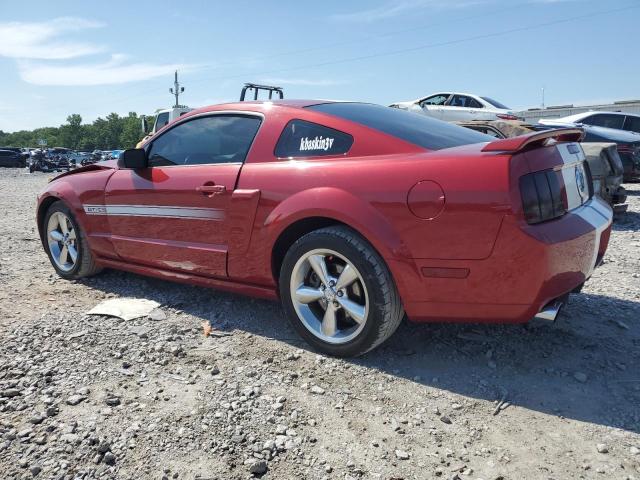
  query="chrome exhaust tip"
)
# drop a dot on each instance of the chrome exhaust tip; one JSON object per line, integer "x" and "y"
{"x": 550, "y": 312}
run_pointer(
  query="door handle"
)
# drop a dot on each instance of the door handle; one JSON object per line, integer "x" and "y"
{"x": 211, "y": 189}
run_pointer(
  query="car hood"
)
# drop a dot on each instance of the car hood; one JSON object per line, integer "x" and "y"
{"x": 104, "y": 165}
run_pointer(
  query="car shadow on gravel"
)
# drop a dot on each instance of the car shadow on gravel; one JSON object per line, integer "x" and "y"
{"x": 583, "y": 367}
{"x": 628, "y": 221}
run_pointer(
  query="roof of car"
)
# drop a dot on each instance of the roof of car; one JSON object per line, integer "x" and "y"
{"x": 293, "y": 102}
{"x": 577, "y": 116}
{"x": 259, "y": 105}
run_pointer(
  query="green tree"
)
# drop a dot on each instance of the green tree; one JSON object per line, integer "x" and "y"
{"x": 131, "y": 131}
{"x": 110, "y": 133}
{"x": 72, "y": 133}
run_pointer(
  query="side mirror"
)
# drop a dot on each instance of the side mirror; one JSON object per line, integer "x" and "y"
{"x": 133, "y": 158}
{"x": 145, "y": 124}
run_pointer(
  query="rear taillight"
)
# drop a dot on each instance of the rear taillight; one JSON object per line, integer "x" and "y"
{"x": 506, "y": 116}
{"x": 542, "y": 197}
{"x": 625, "y": 149}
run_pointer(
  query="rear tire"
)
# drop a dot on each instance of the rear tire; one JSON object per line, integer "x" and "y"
{"x": 67, "y": 245}
{"x": 339, "y": 320}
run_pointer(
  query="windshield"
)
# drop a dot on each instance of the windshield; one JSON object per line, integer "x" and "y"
{"x": 416, "y": 128}
{"x": 495, "y": 103}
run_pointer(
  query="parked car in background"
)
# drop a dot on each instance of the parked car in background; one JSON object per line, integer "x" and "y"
{"x": 20, "y": 152}
{"x": 115, "y": 154}
{"x": 351, "y": 214}
{"x": 604, "y": 161}
{"x": 616, "y": 120}
{"x": 10, "y": 158}
{"x": 39, "y": 161}
{"x": 607, "y": 173}
{"x": 452, "y": 107}
{"x": 628, "y": 146}
{"x": 500, "y": 128}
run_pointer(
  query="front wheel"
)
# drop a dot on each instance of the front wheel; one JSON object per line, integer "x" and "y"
{"x": 66, "y": 244}
{"x": 338, "y": 293}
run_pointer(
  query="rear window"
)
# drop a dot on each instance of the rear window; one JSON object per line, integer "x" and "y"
{"x": 415, "y": 128}
{"x": 604, "y": 120}
{"x": 306, "y": 139}
{"x": 495, "y": 103}
{"x": 632, "y": 124}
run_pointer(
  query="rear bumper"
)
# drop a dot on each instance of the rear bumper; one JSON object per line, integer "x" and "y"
{"x": 530, "y": 266}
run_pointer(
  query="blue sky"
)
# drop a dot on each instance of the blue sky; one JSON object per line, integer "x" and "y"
{"x": 94, "y": 58}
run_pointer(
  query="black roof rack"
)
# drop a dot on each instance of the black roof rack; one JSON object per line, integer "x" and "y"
{"x": 256, "y": 88}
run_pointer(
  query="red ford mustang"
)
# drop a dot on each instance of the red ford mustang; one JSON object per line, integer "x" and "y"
{"x": 352, "y": 214}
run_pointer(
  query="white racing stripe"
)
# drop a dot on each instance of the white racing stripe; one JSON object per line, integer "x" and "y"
{"x": 599, "y": 215}
{"x": 573, "y": 168}
{"x": 160, "y": 211}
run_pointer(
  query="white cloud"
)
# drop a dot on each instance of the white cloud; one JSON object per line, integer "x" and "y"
{"x": 38, "y": 40}
{"x": 395, "y": 8}
{"x": 114, "y": 71}
{"x": 300, "y": 82}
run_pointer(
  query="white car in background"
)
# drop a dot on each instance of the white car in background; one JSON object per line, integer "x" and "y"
{"x": 617, "y": 120}
{"x": 455, "y": 107}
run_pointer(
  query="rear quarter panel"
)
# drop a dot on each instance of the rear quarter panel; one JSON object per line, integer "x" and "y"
{"x": 370, "y": 195}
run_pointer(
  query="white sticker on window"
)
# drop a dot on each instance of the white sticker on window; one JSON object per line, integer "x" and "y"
{"x": 318, "y": 143}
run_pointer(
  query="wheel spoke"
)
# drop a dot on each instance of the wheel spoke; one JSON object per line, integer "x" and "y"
{"x": 73, "y": 253}
{"x": 55, "y": 235}
{"x": 355, "y": 310}
{"x": 306, "y": 294}
{"x": 72, "y": 234}
{"x": 329, "y": 323}
{"x": 62, "y": 221}
{"x": 64, "y": 253}
{"x": 320, "y": 267}
{"x": 347, "y": 277}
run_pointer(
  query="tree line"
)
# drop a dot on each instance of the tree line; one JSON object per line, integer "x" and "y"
{"x": 109, "y": 133}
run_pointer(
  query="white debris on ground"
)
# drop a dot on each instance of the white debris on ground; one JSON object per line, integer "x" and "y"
{"x": 125, "y": 308}
{"x": 84, "y": 396}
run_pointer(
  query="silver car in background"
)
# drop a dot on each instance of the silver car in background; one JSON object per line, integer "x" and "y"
{"x": 458, "y": 107}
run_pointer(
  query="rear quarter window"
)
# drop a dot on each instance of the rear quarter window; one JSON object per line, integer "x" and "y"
{"x": 306, "y": 139}
{"x": 416, "y": 128}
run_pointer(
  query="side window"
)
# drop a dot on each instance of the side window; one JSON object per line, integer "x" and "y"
{"x": 205, "y": 140}
{"x": 632, "y": 124}
{"x": 604, "y": 120}
{"x": 473, "y": 103}
{"x": 305, "y": 139}
{"x": 461, "y": 101}
{"x": 162, "y": 120}
{"x": 439, "y": 99}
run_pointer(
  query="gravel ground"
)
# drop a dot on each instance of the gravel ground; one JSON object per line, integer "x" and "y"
{"x": 96, "y": 397}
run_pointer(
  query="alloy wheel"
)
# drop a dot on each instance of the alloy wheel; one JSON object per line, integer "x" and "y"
{"x": 62, "y": 241}
{"x": 329, "y": 295}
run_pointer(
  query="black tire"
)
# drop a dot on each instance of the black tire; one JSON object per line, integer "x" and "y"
{"x": 385, "y": 306}
{"x": 85, "y": 265}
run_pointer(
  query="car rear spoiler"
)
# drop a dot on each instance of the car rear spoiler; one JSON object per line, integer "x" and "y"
{"x": 535, "y": 139}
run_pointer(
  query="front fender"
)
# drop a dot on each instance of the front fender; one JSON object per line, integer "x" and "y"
{"x": 76, "y": 191}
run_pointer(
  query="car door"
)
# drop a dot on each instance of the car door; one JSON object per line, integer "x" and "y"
{"x": 433, "y": 105}
{"x": 174, "y": 214}
{"x": 458, "y": 109}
